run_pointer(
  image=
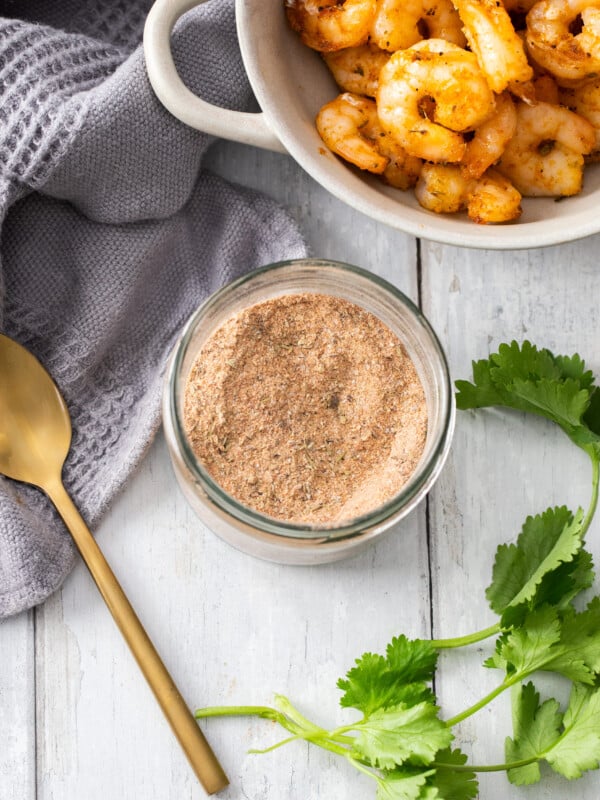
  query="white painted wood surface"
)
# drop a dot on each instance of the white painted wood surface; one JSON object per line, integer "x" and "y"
{"x": 76, "y": 719}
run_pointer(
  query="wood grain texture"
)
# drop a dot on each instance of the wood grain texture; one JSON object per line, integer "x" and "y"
{"x": 233, "y": 629}
{"x": 503, "y": 466}
{"x": 17, "y": 708}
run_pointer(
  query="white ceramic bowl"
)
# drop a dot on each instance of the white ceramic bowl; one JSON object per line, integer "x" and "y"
{"x": 291, "y": 83}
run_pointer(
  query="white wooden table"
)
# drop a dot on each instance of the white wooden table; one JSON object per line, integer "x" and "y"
{"x": 77, "y": 721}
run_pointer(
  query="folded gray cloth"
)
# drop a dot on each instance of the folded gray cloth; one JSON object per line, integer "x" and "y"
{"x": 111, "y": 234}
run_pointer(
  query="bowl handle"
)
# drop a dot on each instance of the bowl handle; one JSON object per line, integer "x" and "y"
{"x": 179, "y": 100}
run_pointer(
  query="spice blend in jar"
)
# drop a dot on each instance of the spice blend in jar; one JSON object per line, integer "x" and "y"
{"x": 306, "y": 408}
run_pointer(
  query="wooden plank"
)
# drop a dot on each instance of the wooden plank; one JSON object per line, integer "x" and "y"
{"x": 333, "y": 229}
{"x": 502, "y": 467}
{"x": 231, "y": 628}
{"x": 17, "y": 708}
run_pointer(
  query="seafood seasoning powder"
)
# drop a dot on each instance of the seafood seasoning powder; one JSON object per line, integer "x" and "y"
{"x": 306, "y": 408}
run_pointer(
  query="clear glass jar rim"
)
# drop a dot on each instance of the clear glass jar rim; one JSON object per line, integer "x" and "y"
{"x": 413, "y": 487}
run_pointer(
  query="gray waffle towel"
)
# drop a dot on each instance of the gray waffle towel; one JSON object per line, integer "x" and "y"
{"x": 111, "y": 234}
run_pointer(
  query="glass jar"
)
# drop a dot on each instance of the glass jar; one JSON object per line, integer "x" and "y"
{"x": 273, "y": 539}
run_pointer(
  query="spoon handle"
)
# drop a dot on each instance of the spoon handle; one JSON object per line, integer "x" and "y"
{"x": 190, "y": 737}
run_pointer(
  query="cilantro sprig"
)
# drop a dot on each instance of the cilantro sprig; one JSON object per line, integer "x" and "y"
{"x": 399, "y": 737}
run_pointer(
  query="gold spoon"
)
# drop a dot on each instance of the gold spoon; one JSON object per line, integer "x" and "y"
{"x": 35, "y": 436}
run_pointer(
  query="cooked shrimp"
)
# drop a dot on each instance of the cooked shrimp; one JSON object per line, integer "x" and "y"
{"x": 441, "y": 21}
{"x": 403, "y": 170}
{"x": 545, "y": 156}
{"x": 428, "y": 95}
{"x": 398, "y": 24}
{"x": 585, "y": 100}
{"x": 546, "y": 90}
{"x": 519, "y": 6}
{"x": 493, "y": 39}
{"x": 327, "y": 25}
{"x": 349, "y": 126}
{"x": 443, "y": 188}
{"x": 490, "y": 139}
{"x": 569, "y": 57}
{"x": 356, "y": 69}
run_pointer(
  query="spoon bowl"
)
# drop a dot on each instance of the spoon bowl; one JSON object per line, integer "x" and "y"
{"x": 35, "y": 437}
{"x": 35, "y": 433}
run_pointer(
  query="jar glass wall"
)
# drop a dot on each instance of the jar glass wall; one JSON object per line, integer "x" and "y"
{"x": 274, "y": 539}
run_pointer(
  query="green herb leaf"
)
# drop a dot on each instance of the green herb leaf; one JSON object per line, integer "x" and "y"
{"x": 592, "y": 416}
{"x": 579, "y": 642}
{"x": 525, "y": 378}
{"x": 561, "y": 585}
{"x": 574, "y": 367}
{"x": 383, "y": 681}
{"x": 452, "y": 784}
{"x": 369, "y": 685}
{"x": 411, "y": 659}
{"x": 546, "y": 542}
{"x": 527, "y": 648}
{"x": 536, "y": 728}
{"x": 578, "y": 748}
{"x": 568, "y": 644}
{"x": 402, "y": 784}
{"x": 391, "y": 736}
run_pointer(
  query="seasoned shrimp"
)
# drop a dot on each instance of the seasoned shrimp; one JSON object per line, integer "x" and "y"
{"x": 403, "y": 170}
{"x": 398, "y": 24}
{"x": 585, "y": 100}
{"x": 569, "y": 57}
{"x": 545, "y": 156}
{"x": 547, "y": 91}
{"x": 356, "y": 69}
{"x": 428, "y": 95}
{"x": 519, "y": 6}
{"x": 327, "y": 25}
{"x": 493, "y": 39}
{"x": 443, "y": 188}
{"x": 490, "y": 139}
{"x": 349, "y": 126}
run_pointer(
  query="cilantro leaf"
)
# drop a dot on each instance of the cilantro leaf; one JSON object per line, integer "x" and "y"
{"x": 411, "y": 659}
{"x": 527, "y": 648}
{"x": 574, "y": 367}
{"x": 592, "y": 416}
{"x": 578, "y": 748}
{"x": 536, "y": 728}
{"x": 546, "y": 542}
{"x": 369, "y": 685}
{"x": 568, "y": 644}
{"x": 561, "y": 585}
{"x": 389, "y": 737}
{"x": 529, "y": 379}
{"x": 401, "y": 784}
{"x": 579, "y": 641}
{"x": 383, "y": 681}
{"x": 451, "y": 784}
{"x": 563, "y": 403}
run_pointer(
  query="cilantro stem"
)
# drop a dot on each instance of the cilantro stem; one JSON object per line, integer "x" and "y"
{"x": 486, "y": 768}
{"x": 290, "y": 719}
{"x": 362, "y": 768}
{"x": 275, "y": 746}
{"x": 484, "y": 700}
{"x": 462, "y": 641}
{"x": 238, "y": 711}
{"x": 594, "y": 498}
